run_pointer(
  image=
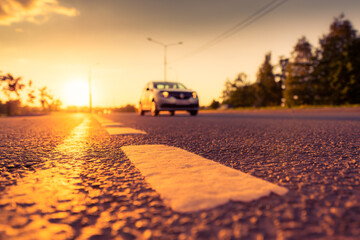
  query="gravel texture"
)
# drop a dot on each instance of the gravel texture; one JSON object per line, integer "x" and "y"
{"x": 314, "y": 155}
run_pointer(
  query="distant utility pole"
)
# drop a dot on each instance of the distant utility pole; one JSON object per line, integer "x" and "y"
{"x": 90, "y": 90}
{"x": 165, "y": 52}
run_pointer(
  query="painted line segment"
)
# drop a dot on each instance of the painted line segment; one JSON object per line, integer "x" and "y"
{"x": 116, "y": 128}
{"x": 123, "y": 131}
{"x": 57, "y": 181}
{"x": 188, "y": 182}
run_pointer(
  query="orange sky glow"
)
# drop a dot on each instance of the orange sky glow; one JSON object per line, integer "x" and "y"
{"x": 56, "y": 43}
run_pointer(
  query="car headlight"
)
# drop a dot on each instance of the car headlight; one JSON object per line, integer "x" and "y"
{"x": 165, "y": 94}
{"x": 194, "y": 95}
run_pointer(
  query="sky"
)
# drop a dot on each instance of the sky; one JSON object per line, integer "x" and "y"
{"x": 60, "y": 43}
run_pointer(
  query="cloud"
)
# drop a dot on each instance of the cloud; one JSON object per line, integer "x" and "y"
{"x": 35, "y": 11}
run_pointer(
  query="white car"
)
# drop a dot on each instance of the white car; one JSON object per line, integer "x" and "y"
{"x": 168, "y": 96}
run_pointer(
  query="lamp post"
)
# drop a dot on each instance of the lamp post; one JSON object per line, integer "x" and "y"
{"x": 90, "y": 90}
{"x": 165, "y": 52}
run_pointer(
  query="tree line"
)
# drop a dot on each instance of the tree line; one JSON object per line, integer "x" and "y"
{"x": 325, "y": 75}
{"x": 17, "y": 97}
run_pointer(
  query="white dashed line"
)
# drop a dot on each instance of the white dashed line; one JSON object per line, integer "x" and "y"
{"x": 103, "y": 120}
{"x": 116, "y": 128}
{"x": 123, "y": 131}
{"x": 188, "y": 182}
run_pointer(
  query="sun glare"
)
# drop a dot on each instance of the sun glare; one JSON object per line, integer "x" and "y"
{"x": 77, "y": 93}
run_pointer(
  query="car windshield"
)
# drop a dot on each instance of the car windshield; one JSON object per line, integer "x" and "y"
{"x": 168, "y": 85}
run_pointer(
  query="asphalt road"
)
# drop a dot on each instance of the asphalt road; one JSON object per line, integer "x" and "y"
{"x": 100, "y": 194}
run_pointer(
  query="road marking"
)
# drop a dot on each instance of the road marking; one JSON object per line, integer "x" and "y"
{"x": 123, "y": 131}
{"x": 116, "y": 128}
{"x": 55, "y": 183}
{"x": 104, "y": 121}
{"x": 188, "y": 182}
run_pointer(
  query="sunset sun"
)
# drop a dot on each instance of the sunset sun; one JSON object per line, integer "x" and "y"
{"x": 77, "y": 93}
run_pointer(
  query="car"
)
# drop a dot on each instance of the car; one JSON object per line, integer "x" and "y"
{"x": 168, "y": 96}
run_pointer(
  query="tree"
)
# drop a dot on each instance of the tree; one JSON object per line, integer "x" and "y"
{"x": 268, "y": 92}
{"x": 126, "y": 108}
{"x": 31, "y": 93}
{"x": 214, "y": 104}
{"x": 353, "y": 94}
{"x": 13, "y": 86}
{"x": 46, "y": 98}
{"x": 299, "y": 78}
{"x": 239, "y": 93}
{"x": 244, "y": 94}
{"x": 229, "y": 88}
{"x": 19, "y": 98}
{"x": 334, "y": 68}
{"x": 129, "y": 108}
{"x": 328, "y": 75}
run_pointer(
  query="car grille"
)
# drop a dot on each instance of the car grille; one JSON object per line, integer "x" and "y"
{"x": 180, "y": 95}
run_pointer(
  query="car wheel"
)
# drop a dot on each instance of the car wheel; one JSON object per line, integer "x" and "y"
{"x": 172, "y": 113}
{"x": 193, "y": 113}
{"x": 154, "y": 111}
{"x": 141, "y": 111}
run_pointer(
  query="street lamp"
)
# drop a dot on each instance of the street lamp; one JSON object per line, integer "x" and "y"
{"x": 90, "y": 90}
{"x": 165, "y": 52}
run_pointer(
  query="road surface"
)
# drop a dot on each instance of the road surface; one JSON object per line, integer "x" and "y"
{"x": 63, "y": 176}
